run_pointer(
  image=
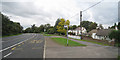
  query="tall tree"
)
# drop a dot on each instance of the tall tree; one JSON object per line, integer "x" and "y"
{"x": 60, "y": 26}
{"x": 46, "y": 27}
{"x": 28, "y": 30}
{"x": 113, "y": 27}
{"x": 88, "y": 25}
{"x": 55, "y": 26}
{"x": 115, "y": 34}
{"x": 34, "y": 28}
{"x": 41, "y": 28}
{"x": 10, "y": 27}
{"x": 118, "y": 26}
{"x": 100, "y": 26}
{"x": 92, "y": 26}
{"x": 74, "y": 27}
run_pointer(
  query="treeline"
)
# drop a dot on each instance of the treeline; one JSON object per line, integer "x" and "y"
{"x": 42, "y": 28}
{"x": 115, "y": 26}
{"x": 115, "y": 34}
{"x": 10, "y": 27}
{"x": 58, "y": 28}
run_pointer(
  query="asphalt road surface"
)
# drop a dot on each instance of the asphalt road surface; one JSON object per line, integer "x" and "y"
{"x": 29, "y": 45}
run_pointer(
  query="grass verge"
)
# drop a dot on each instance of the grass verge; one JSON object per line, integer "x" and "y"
{"x": 92, "y": 42}
{"x": 118, "y": 57}
{"x": 51, "y": 35}
{"x": 63, "y": 41}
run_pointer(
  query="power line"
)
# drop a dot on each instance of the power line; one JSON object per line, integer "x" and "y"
{"x": 92, "y": 6}
{"x": 87, "y": 9}
{"x": 74, "y": 15}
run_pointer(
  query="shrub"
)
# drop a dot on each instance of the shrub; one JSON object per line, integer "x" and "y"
{"x": 115, "y": 34}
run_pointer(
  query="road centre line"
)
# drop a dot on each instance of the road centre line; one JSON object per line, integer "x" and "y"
{"x": 16, "y": 44}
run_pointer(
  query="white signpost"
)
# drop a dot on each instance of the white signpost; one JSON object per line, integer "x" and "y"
{"x": 66, "y": 26}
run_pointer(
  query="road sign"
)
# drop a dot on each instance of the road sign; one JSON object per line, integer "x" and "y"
{"x": 65, "y": 26}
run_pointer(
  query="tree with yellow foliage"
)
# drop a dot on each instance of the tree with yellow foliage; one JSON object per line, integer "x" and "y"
{"x": 60, "y": 26}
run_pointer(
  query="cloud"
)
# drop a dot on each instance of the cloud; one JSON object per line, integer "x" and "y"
{"x": 47, "y": 11}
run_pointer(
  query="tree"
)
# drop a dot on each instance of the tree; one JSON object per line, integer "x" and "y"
{"x": 33, "y": 28}
{"x": 88, "y": 25}
{"x": 74, "y": 27}
{"x": 60, "y": 26}
{"x": 10, "y": 27}
{"x": 92, "y": 26}
{"x": 113, "y": 27}
{"x": 100, "y": 26}
{"x": 46, "y": 27}
{"x": 41, "y": 28}
{"x": 70, "y": 27}
{"x": 50, "y": 31}
{"x": 56, "y": 24}
{"x": 28, "y": 30}
{"x": 115, "y": 34}
{"x": 118, "y": 26}
{"x": 67, "y": 22}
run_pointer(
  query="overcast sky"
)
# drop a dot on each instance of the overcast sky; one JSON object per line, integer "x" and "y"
{"x": 38, "y": 12}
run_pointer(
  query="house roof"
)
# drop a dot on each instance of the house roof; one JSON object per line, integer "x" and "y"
{"x": 103, "y": 32}
{"x": 93, "y": 31}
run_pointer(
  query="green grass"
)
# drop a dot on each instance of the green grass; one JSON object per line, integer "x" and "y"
{"x": 118, "y": 57}
{"x": 117, "y": 44}
{"x": 99, "y": 43}
{"x": 63, "y": 41}
{"x": 51, "y": 35}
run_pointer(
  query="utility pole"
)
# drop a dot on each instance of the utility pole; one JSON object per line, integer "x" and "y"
{"x": 81, "y": 25}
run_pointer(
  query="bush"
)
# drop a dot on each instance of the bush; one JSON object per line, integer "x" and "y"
{"x": 115, "y": 34}
{"x": 71, "y": 33}
{"x": 50, "y": 31}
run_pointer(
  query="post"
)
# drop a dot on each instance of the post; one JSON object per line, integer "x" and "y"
{"x": 81, "y": 25}
{"x": 67, "y": 35}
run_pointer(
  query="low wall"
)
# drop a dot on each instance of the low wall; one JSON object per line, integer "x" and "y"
{"x": 91, "y": 39}
{"x": 72, "y": 36}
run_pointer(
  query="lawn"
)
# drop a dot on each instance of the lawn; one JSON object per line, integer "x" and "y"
{"x": 99, "y": 43}
{"x": 63, "y": 41}
{"x": 51, "y": 34}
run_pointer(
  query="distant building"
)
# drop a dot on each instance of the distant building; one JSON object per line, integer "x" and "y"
{"x": 102, "y": 34}
{"x": 77, "y": 31}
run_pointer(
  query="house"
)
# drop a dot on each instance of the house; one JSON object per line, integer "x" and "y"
{"x": 92, "y": 32}
{"x": 101, "y": 34}
{"x": 77, "y": 31}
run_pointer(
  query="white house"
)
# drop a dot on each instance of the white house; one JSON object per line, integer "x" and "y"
{"x": 78, "y": 30}
{"x": 101, "y": 34}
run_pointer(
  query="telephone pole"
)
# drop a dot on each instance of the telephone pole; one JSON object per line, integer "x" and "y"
{"x": 81, "y": 25}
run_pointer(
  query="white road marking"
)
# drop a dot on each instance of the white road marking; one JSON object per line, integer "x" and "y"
{"x": 16, "y": 44}
{"x": 8, "y": 54}
{"x": 44, "y": 50}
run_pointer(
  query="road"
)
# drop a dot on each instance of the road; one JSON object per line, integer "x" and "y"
{"x": 27, "y": 45}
